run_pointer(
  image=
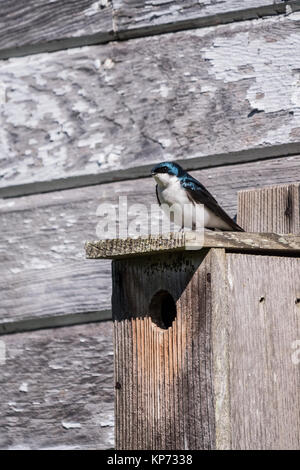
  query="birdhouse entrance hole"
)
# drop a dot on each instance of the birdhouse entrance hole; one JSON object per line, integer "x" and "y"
{"x": 163, "y": 309}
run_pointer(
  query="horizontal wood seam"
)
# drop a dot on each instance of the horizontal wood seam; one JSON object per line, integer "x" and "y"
{"x": 143, "y": 171}
{"x": 119, "y": 34}
{"x": 41, "y": 323}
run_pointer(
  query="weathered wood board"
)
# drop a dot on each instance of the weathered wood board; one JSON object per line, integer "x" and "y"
{"x": 132, "y": 17}
{"x": 57, "y": 389}
{"x": 229, "y": 357}
{"x": 270, "y": 209}
{"x": 288, "y": 245}
{"x": 40, "y": 22}
{"x": 109, "y": 112}
{"x": 264, "y": 331}
{"x": 66, "y": 290}
{"x": 37, "y": 25}
{"x": 160, "y": 402}
{"x": 42, "y": 239}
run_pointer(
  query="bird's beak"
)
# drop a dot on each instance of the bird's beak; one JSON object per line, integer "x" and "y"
{"x": 153, "y": 173}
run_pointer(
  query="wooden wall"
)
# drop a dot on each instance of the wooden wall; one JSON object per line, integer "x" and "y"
{"x": 92, "y": 93}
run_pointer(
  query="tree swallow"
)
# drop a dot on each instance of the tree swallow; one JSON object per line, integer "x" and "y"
{"x": 176, "y": 187}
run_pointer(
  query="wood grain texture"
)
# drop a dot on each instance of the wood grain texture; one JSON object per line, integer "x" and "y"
{"x": 264, "y": 384}
{"x": 69, "y": 288}
{"x": 132, "y": 17}
{"x": 220, "y": 318}
{"x": 182, "y": 241}
{"x": 42, "y": 239}
{"x": 56, "y": 389}
{"x": 36, "y": 26}
{"x": 36, "y": 22}
{"x": 197, "y": 96}
{"x": 273, "y": 209}
{"x": 164, "y": 397}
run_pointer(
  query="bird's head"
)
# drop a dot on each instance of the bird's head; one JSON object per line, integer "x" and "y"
{"x": 164, "y": 172}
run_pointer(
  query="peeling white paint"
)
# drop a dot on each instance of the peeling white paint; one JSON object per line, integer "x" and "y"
{"x": 108, "y": 64}
{"x": 69, "y": 425}
{"x": 93, "y": 9}
{"x": 97, "y": 64}
{"x": 242, "y": 56}
{"x": 40, "y": 80}
{"x": 2, "y": 93}
{"x": 164, "y": 90}
{"x": 82, "y": 107}
{"x": 23, "y": 387}
{"x": 15, "y": 270}
{"x": 295, "y": 97}
{"x": 165, "y": 142}
{"x": 79, "y": 33}
{"x": 109, "y": 156}
{"x": 267, "y": 70}
{"x": 55, "y": 366}
{"x": 2, "y": 352}
{"x": 62, "y": 90}
{"x": 92, "y": 141}
{"x": 208, "y": 88}
{"x": 37, "y": 263}
{"x": 295, "y": 16}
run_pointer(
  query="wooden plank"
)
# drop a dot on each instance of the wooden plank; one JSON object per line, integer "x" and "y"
{"x": 82, "y": 122}
{"x": 36, "y": 26}
{"x": 220, "y": 347}
{"x": 57, "y": 389}
{"x": 46, "y": 23}
{"x": 148, "y": 387}
{"x": 70, "y": 290}
{"x": 271, "y": 209}
{"x": 181, "y": 241}
{"x": 35, "y": 229}
{"x": 136, "y": 18}
{"x": 264, "y": 383}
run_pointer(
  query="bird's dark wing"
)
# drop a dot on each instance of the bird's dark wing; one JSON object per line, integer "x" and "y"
{"x": 197, "y": 193}
{"x": 156, "y": 190}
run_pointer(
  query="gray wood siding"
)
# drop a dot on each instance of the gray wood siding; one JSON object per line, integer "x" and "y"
{"x": 57, "y": 389}
{"x": 84, "y": 124}
{"x": 132, "y": 17}
{"x": 44, "y": 273}
{"x": 36, "y": 25}
{"x": 32, "y": 22}
{"x": 195, "y": 96}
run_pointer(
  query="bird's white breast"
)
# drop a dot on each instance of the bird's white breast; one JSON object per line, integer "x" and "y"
{"x": 172, "y": 196}
{"x": 171, "y": 193}
{"x": 170, "y": 190}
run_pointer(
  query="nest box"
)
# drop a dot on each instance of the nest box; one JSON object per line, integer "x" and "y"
{"x": 206, "y": 341}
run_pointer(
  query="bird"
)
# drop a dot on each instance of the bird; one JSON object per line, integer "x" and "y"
{"x": 174, "y": 186}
